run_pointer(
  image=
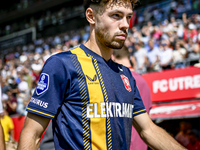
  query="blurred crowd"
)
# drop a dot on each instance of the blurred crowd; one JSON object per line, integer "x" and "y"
{"x": 47, "y": 17}
{"x": 18, "y": 6}
{"x": 168, "y": 44}
{"x": 155, "y": 12}
{"x": 171, "y": 44}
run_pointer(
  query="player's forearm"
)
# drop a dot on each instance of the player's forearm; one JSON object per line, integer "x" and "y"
{"x": 28, "y": 141}
{"x": 2, "y": 142}
{"x": 159, "y": 139}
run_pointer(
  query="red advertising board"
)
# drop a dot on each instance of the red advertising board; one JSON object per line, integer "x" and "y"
{"x": 180, "y": 109}
{"x": 170, "y": 85}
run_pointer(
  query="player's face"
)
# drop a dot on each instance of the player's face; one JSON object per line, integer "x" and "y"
{"x": 112, "y": 24}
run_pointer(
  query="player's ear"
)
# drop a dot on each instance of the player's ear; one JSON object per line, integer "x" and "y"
{"x": 90, "y": 15}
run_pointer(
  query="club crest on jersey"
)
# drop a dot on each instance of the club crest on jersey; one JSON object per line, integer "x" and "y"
{"x": 126, "y": 82}
{"x": 43, "y": 83}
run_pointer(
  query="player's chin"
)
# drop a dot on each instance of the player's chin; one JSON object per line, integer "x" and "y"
{"x": 118, "y": 44}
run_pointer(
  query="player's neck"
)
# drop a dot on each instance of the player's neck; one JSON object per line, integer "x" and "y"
{"x": 98, "y": 48}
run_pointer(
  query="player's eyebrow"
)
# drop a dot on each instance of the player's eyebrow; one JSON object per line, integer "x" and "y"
{"x": 121, "y": 12}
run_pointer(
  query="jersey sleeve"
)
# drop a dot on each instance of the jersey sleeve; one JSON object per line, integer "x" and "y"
{"x": 138, "y": 103}
{"x": 50, "y": 89}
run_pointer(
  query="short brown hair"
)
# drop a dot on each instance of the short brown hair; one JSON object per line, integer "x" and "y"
{"x": 87, "y": 3}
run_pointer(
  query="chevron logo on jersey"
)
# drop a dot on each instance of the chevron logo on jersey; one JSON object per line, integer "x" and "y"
{"x": 94, "y": 78}
{"x": 126, "y": 82}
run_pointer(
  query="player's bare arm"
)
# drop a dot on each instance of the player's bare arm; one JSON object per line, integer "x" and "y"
{"x": 33, "y": 129}
{"x": 2, "y": 142}
{"x": 154, "y": 136}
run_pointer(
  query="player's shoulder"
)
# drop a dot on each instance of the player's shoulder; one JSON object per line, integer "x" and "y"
{"x": 62, "y": 56}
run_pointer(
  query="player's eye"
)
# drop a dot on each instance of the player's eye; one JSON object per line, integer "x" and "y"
{"x": 129, "y": 17}
{"x": 116, "y": 16}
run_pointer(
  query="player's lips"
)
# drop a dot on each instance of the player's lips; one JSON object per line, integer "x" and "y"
{"x": 122, "y": 36}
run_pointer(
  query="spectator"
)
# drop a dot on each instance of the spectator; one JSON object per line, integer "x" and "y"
{"x": 189, "y": 31}
{"x": 182, "y": 135}
{"x": 197, "y": 37}
{"x": 145, "y": 31}
{"x": 173, "y": 6}
{"x": 38, "y": 58}
{"x": 194, "y": 143}
{"x": 180, "y": 30}
{"x": 34, "y": 84}
{"x": 14, "y": 87}
{"x": 140, "y": 62}
{"x": 46, "y": 54}
{"x": 27, "y": 77}
{"x": 8, "y": 126}
{"x": 23, "y": 86}
{"x": 179, "y": 55}
{"x": 4, "y": 85}
{"x": 165, "y": 55}
{"x": 136, "y": 34}
{"x": 23, "y": 57}
{"x": 188, "y": 5}
{"x": 22, "y": 102}
{"x": 10, "y": 104}
{"x": 193, "y": 51}
{"x": 36, "y": 68}
{"x": 153, "y": 57}
{"x": 156, "y": 33}
{"x": 129, "y": 43}
{"x": 180, "y": 7}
